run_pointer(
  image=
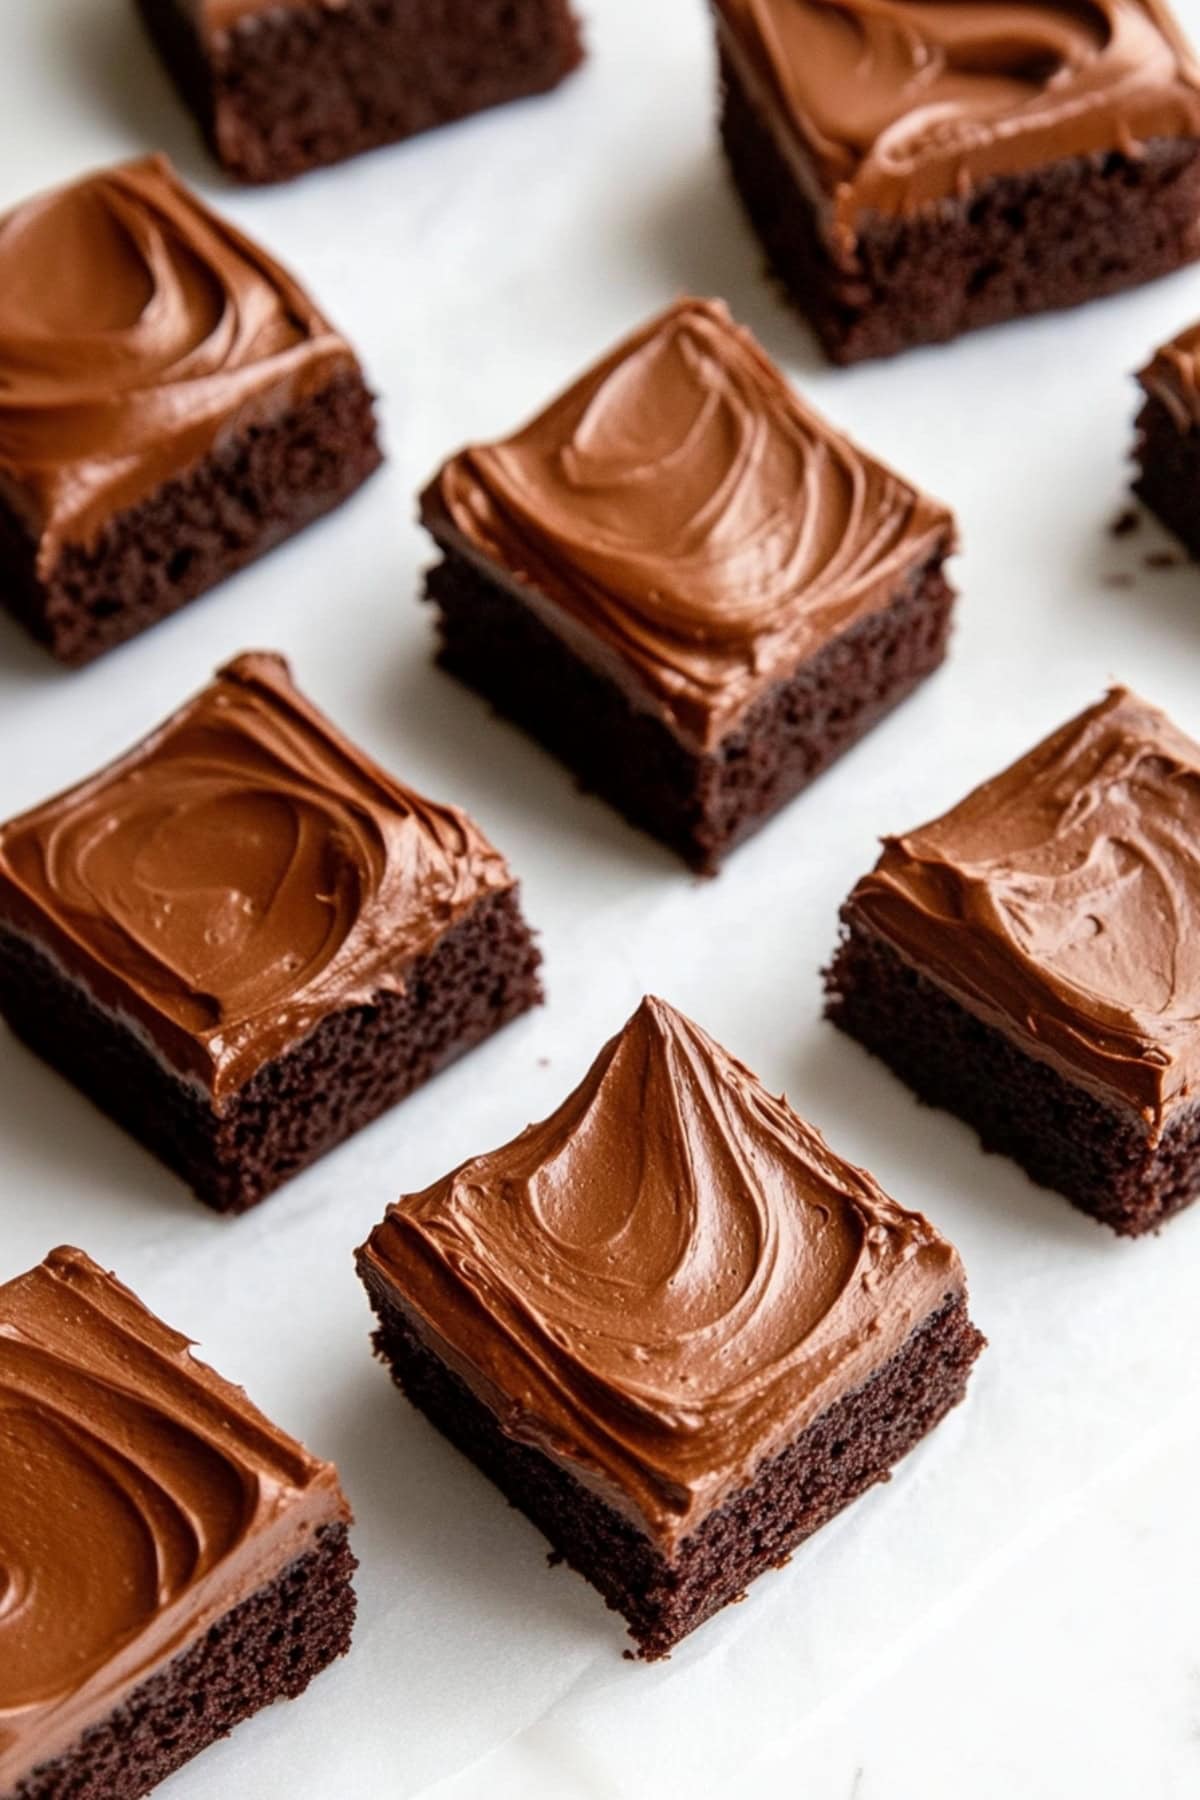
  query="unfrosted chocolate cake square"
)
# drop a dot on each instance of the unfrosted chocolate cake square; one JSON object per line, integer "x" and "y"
{"x": 172, "y": 405}
{"x": 1031, "y": 962}
{"x": 686, "y": 584}
{"x": 915, "y": 171}
{"x": 170, "y": 1561}
{"x": 282, "y": 86}
{"x": 244, "y": 940}
{"x": 671, "y": 1325}
{"x": 1168, "y": 437}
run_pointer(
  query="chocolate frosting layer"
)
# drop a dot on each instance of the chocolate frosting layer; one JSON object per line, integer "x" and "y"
{"x": 239, "y": 875}
{"x": 892, "y": 104}
{"x": 665, "y": 1281}
{"x": 137, "y": 329}
{"x": 1172, "y": 376}
{"x": 143, "y": 1497}
{"x": 686, "y": 523}
{"x": 1061, "y": 902}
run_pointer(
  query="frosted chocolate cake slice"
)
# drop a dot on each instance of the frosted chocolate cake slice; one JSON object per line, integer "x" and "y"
{"x": 686, "y": 584}
{"x": 244, "y": 940}
{"x": 172, "y": 406}
{"x": 915, "y": 171}
{"x": 1031, "y": 962}
{"x": 673, "y": 1327}
{"x": 170, "y": 1561}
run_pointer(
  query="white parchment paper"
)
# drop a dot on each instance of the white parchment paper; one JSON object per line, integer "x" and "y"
{"x": 1014, "y": 1614}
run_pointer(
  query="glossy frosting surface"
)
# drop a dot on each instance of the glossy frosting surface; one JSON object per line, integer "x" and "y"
{"x": 900, "y": 102}
{"x": 1062, "y": 902}
{"x": 239, "y": 875}
{"x": 1172, "y": 376}
{"x": 685, "y": 520}
{"x": 136, "y": 328}
{"x": 142, "y": 1498}
{"x": 667, "y": 1279}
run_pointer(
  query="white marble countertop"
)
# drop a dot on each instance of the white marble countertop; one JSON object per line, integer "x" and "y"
{"x": 1013, "y": 1616}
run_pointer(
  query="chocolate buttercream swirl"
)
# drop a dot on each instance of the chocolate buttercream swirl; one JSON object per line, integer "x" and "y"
{"x": 135, "y": 328}
{"x": 665, "y": 1280}
{"x": 142, "y": 1497}
{"x": 241, "y": 874}
{"x": 902, "y": 102}
{"x": 680, "y": 505}
{"x": 1062, "y": 901}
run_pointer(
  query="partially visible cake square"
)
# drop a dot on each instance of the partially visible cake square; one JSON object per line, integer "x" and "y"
{"x": 283, "y": 86}
{"x": 170, "y": 1561}
{"x": 1168, "y": 437}
{"x": 686, "y": 584}
{"x": 1031, "y": 962}
{"x": 172, "y": 406}
{"x": 915, "y": 171}
{"x": 671, "y": 1325}
{"x": 244, "y": 940}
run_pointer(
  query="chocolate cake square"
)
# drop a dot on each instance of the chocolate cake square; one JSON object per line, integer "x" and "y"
{"x": 686, "y": 584}
{"x": 170, "y": 1561}
{"x": 1031, "y": 962}
{"x": 1168, "y": 437}
{"x": 172, "y": 405}
{"x": 282, "y": 86}
{"x": 244, "y": 940}
{"x": 671, "y": 1325}
{"x": 915, "y": 171}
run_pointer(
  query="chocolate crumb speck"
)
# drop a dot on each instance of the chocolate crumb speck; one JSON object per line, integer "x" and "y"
{"x": 1163, "y": 559}
{"x": 1125, "y": 522}
{"x": 1118, "y": 578}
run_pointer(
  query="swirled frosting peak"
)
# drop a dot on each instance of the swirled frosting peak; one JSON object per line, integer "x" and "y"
{"x": 664, "y": 1281}
{"x": 895, "y": 103}
{"x": 135, "y": 327}
{"x": 241, "y": 874}
{"x": 686, "y": 523}
{"x": 142, "y": 1497}
{"x": 1061, "y": 901}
